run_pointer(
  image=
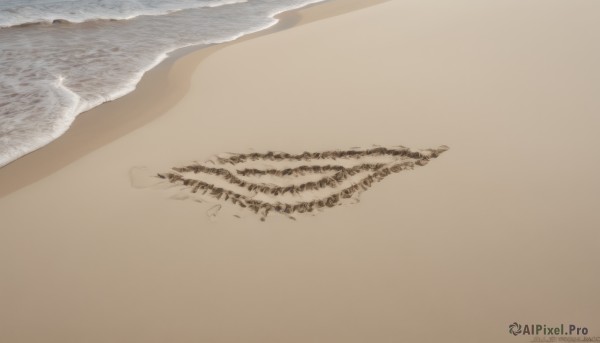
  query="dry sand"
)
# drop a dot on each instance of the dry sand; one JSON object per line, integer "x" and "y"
{"x": 501, "y": 228}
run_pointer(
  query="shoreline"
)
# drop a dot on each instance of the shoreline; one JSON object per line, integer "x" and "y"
{"x": 104, "y": 250}
{"x": 113, "y": 119}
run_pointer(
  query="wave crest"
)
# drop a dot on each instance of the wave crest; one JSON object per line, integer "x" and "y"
{"x": 76, "y": 12}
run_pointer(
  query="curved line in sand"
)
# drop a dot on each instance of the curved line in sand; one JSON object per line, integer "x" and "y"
{"x": 378, "y": 172}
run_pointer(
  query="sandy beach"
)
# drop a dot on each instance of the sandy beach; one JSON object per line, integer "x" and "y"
{"x": 501, "y": 228}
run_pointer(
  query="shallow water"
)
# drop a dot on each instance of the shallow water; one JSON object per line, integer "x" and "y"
{"x": 60, "y": 58}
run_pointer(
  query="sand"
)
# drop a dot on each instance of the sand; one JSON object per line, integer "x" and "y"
{"x": 503, "y": 227}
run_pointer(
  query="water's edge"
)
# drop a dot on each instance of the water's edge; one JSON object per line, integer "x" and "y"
{"x": 48, "y": 98}
{"x": 108, "y": 121}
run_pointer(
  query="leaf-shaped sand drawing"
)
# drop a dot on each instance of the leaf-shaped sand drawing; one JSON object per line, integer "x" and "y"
{"x": 291, "y": 184}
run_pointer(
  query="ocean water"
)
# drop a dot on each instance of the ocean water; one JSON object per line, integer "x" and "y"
{"x": 59, "y": 58}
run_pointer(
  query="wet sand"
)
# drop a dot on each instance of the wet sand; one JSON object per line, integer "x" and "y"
{"x": 159, "y": 90}
{"x": 502, "y": 227}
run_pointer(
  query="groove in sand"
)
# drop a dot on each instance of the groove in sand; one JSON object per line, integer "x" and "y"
{"x": 327, "y": 192}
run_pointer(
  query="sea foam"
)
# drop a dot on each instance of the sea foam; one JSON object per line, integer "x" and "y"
{"x": 53, "y": 72}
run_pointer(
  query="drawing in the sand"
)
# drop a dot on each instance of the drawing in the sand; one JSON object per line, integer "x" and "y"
{"x": 291, "y": 184}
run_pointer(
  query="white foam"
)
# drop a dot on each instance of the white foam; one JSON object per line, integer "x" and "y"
{"x": 53, "y": 73}
{"x": 13, "y": 13}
